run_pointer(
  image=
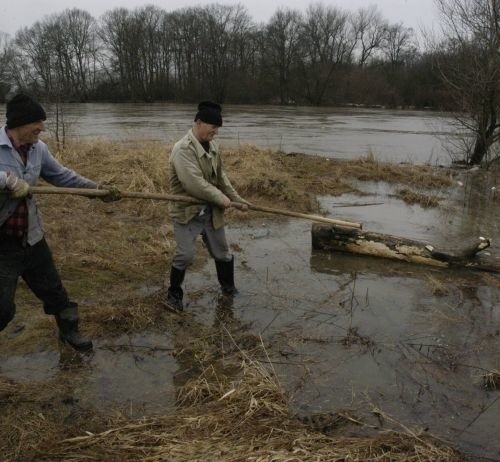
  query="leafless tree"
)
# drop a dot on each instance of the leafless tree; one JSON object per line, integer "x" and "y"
{"x": 225, "y": 29}
{"x": 7, "y": 54}
{"x": 282, "y": 42}
{"x": 468, "y": 61}
{"x": 60, "y": 55}
{"x": 327, "y": 41}
{"x": 139, "y": 51}
{"x": 398, "y": 44}
{"x": 370, "y": 29}
{"x": 186, "y": 35}
{"x": 36, "y": 57}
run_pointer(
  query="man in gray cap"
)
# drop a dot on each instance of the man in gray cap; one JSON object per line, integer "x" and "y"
{"x": 196, "y": 170}
{"x": 23, "y": 249}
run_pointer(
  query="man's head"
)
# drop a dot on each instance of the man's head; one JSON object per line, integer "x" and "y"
{"x": 25, "y": 118}
{"x": 207, "y": 121}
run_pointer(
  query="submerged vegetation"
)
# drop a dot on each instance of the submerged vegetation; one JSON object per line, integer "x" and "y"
{"x": 234, "y": 408}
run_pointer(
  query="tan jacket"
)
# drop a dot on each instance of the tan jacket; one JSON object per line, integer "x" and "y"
{"x": 195, "y": 173}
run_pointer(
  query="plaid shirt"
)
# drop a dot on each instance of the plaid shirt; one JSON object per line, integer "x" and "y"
{"x": 17, "y": 224}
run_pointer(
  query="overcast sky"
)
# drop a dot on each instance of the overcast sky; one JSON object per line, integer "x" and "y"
{"x": 15, "y": 14}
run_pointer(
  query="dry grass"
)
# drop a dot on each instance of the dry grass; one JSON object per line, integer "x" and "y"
{"x": 413, "y": 197}
{"x": 491, "y": 380}
{"x": 437, "y": 287}
{"x": 322, "y": 174}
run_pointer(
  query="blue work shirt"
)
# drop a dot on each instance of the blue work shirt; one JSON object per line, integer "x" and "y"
{"x": 40, "y": 163}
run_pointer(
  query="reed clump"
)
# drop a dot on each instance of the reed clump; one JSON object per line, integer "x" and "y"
{"x": 413, "y": 197}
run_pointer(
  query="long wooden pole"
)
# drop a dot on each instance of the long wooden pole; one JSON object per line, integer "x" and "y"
{"x": 192, "y": 200}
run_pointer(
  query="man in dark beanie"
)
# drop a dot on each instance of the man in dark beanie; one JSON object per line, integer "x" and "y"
{"x": 23, "y": 249}
{"x": 196, "y": 170}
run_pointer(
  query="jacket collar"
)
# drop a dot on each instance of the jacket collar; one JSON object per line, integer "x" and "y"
{"x": 200, "y": 151}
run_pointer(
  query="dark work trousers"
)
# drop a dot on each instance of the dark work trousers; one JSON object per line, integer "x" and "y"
{"x": 36, "y": 266}
{"x": 185, "y": 238}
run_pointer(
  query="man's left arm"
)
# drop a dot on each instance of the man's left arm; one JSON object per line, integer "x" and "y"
{"x": 59, "y": 175}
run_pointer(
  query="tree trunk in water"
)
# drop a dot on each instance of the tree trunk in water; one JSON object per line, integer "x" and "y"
{"x": 336, "y": 238}
{"x": 485, "y": 138}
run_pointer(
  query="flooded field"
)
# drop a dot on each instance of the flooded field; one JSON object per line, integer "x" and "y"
{"x": 394, "y": 345}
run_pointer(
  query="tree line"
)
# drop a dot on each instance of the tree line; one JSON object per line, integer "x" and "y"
{"x": 324, "y": 55}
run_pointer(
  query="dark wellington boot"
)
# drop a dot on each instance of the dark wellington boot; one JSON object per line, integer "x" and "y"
{"x": 175, "y": 292}
{"x": 67, "y": 321}
{"x": 225, "y": 275}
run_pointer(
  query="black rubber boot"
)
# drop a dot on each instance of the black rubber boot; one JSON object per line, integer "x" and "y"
{"x": 225, "y": 275}
{"x": 175, "y": 292}
{"x": 67, "y": 321}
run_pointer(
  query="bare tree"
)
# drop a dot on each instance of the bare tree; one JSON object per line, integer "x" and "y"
{"x": 139, "y": 51}
{"x": 282, "y": 45}
{"x": 79, "y": 32}
{"x": 370, "y": 29}
{"x": 225, "y": 28}
{"x": 185, "y": 32}
{"x": 35, "y": 59}
{"x": 327, "y": 41}
{"x": 7, "y": 54}
{"x": 468, "y": 61}
{"x": 398, "y": 44}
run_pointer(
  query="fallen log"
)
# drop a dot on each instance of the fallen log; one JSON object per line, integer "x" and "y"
{"x": 350, "y": 240}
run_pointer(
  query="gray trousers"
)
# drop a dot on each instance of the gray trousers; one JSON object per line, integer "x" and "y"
{"x": 185, "y": 238}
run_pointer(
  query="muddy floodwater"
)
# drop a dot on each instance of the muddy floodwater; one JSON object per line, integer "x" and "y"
{"x": 391, "y": 135}
{"x": 342, "y": 332}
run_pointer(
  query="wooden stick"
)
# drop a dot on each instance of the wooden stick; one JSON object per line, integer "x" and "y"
{"x": 103, "y": 192}
{"x": 192, "y": 200}
{"x": 306, "y": 216}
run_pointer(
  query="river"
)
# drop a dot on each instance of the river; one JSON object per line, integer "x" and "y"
{"x": 390, "y": 135}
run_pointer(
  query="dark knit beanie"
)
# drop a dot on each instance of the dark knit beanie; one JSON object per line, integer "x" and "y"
{"x": 23, "y": 110}
{"x": 209, "y": 113}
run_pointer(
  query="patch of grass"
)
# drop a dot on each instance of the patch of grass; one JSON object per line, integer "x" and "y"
{"x": 412, "y": 197}
{"x": 491, "y": 380}
{"x": 437, "y": 287}
{"x": 338, "y": 172}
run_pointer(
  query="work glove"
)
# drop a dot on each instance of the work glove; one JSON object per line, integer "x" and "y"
{"x": 17, "y": 186}
{"x": 113, "y": 195}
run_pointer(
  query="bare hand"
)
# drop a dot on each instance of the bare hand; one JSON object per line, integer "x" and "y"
{"x": 240, "y": 206}
{"x": 226, "y": 202}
